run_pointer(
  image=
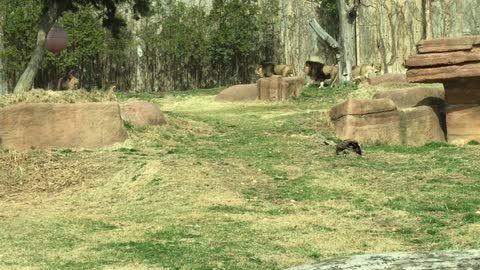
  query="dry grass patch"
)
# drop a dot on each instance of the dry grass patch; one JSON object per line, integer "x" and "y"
{"x": 49, "y": 96}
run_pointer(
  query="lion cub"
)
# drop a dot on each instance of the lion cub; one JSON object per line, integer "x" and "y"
{"x": 267, "y": 69}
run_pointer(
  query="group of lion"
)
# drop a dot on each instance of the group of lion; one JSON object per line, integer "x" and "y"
{"x": 317, "y": 71}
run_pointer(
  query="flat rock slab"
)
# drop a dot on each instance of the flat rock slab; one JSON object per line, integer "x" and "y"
{"x": 441, "y": 260}
{"x": 388, "y": 78}
{"x": 50, "y": 125}
{"x": 240, "y": 92}
{"x": 277, "y": 88}
{"x": 448, "y": 44}
{"x": 443, "y": 73}
{"x": 443, "y": 59}
{"x": 141, "y": 113}
{"x": 415, "y": 96}
{"x": 362, "y": 107}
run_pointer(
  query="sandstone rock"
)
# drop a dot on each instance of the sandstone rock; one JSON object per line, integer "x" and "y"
{"x": 388, "y": 78}
{"x": 462, "y": 91}
{"x": 416, "y": 96}
{"x": 47, "y": 125}
{"x": 463, "y": 123}
{"x": 443, "y": 73}
{"x": 447, "y": 44}
{"x": 141, "y": 113}
{"x": 421, "y": 125}
{"x": 442, "y": 59}
{"x": 277, "y": 88}
{"x": 379, "y": 121}
{"x": 241, "y": 92}
{"x": 362, "y": 107}
{"x": 367, "y": 121}
{"x": 382, "y": 127}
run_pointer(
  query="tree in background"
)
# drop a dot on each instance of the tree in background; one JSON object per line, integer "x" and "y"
{"x": 51, "y": 10}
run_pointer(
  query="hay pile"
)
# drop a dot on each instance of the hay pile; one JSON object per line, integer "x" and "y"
{"x": 48, "y": 96}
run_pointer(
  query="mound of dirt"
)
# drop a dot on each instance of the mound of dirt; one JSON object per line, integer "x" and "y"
{"x": 241, "y": 92}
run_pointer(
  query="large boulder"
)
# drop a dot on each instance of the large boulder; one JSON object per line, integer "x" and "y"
{"x": 422, "y": 124}
{"x": 141, "y": 113}
{"x": 50, "y": 125}
{"x": 278, "y": 88}
{"x": 415, "y": 96}
{"x": 241, "y": 92}
{"x": 379, "y": 121}
{"x": 367, "y": 121}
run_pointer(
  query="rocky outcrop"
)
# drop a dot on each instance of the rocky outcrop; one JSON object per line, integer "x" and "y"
{"x": 141, "y": 113}
{"x": 455, "y": 62}
{"x": 414, "y": 96}
{"x": 278, "y": 88}
{"x": 50, "y": 125}
{"x": 412, "y": 116}
{"x": 367, "y": 121}
{"x": 241, "y": 92}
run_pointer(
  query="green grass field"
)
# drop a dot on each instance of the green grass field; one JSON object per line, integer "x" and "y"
{"x": 233, "y": 186}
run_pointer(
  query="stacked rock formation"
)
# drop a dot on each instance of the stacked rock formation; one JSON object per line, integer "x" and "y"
{"x": 455, "y": 62}
{"x": 410, "y": 116}
{"x": 278, "y": 88}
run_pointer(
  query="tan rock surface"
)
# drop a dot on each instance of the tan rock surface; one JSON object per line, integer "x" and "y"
{"x": 415, "y": 96}
{"x": 141, "y": 113}
{"x": 49, "y": 125}
{"x": 421, "y": 125}
{"x": 241, "y": 92}
{"x": 463, "y": 123}
{"x": 362, "y": 107}
{"x": 277, "y": 88}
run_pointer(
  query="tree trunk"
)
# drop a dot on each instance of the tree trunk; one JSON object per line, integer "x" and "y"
{"x": 46, "y": 22}
{"x": 346, "y": 42}
{"x": 3, "y": 76}
{"x": 427, "y": 21}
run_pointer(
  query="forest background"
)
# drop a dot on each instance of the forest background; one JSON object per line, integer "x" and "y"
{"x": 194, "y": 44}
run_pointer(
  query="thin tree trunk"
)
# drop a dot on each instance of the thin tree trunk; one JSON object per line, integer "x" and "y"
{"x": 346, "y": 42}
{"x": 46, "y": 22}
{"x": 3, "y": 76}
{"x": 427, "y": 21}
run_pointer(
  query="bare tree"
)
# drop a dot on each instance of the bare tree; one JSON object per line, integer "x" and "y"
{"x": 347, "y": 13}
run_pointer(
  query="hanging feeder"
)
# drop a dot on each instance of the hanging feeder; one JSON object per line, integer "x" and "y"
{"x": 56, "y": 39}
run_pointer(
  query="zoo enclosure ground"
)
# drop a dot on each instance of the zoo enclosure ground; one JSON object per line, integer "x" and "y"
{"x": 233, "y": 186}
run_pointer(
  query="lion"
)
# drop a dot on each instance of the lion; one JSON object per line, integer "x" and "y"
{"x": 68, "y": 82}
{"x": 321, "y": 73}
{"x": 267, "y": 69}
{"x": 362, "y": 72}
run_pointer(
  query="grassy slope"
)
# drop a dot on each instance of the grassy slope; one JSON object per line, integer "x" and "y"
{"x": 233, "y": 186}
